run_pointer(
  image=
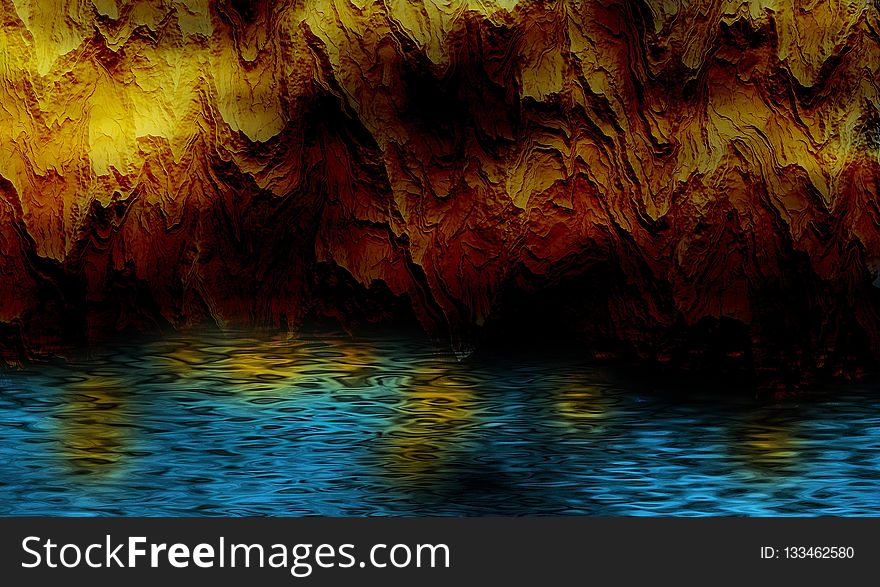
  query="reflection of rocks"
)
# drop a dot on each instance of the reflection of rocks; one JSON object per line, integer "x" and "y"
{"x": 766, "y": 441}
{"x": 686, "y": 182}
{"x": 435, "y": 413}
{"x": 94, "y": 425}
{"x": 580, "y": 404}
{"x": 250, "y": 362}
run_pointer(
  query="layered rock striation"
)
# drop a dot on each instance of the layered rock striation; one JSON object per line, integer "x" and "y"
{"x": 678, "y": 180}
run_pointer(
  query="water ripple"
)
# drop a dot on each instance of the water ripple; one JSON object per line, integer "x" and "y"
{"x": 240, "y": 424}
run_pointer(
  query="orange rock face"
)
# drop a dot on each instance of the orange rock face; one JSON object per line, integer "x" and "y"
{"x": 678, "y": 180}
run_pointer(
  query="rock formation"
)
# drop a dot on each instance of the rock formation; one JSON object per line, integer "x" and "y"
{"x": 677, "y": 180}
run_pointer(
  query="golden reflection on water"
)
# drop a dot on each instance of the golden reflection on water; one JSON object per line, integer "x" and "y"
{"x": 580, "y": 403}
{"x": 766, "y": 441}
{"x": 436, "y": 396}
{"x": 260, "y": 366}
{"x": 181, "y": 356}
{"x": 352, "y": 362}
{"x": 94, "y": 425}
{"x": 265, "y": 364}
{"x": 437, "y": 406}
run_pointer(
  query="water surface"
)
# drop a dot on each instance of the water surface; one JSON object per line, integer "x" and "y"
{"x": 241, "y": 424}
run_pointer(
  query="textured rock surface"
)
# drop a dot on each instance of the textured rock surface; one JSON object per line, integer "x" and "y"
{"x": 680, "y": 180}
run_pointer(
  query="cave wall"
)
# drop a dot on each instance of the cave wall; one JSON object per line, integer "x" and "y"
{"x": 661, "y": 176}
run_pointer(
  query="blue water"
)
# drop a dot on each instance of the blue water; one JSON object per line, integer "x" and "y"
{"x": 240, "y": 424}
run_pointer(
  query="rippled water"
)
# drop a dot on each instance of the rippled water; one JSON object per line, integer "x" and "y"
{"x": 233, "y": 424}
